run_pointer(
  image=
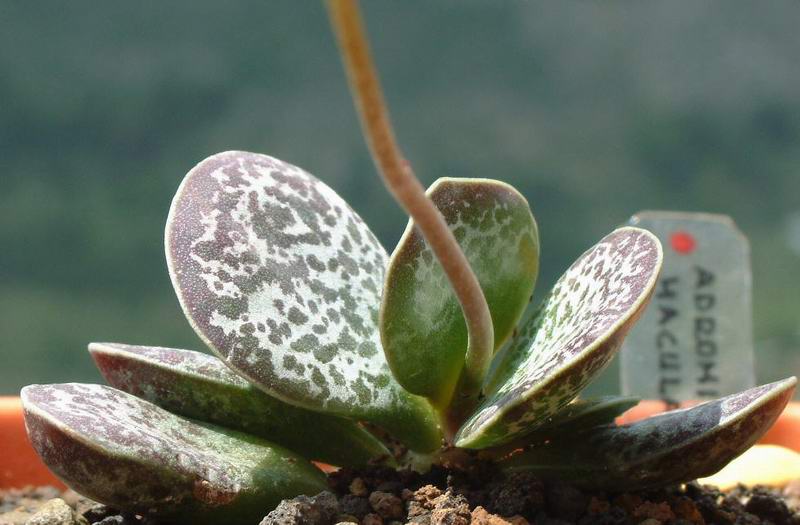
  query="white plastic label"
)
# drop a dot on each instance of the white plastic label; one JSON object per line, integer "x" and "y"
{"x": 695, "y": 339}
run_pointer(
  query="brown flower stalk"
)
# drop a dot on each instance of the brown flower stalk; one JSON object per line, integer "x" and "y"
{"x": 407, "y": 190}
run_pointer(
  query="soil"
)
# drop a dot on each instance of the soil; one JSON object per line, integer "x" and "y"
{"x": 50, "y": 506}
{"x": 446, "y": 497}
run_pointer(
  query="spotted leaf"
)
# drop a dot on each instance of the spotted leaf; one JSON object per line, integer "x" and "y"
{"x": 587, "y": 413}
{"x": 200, "y": 386}
{"x": 282, "y": 280}
{"x": 569, "y": 339}
{"x": 580, "y": 415}
{"x": 673, "y": 447}
{"x": 421, "y": 319}
{"x": 129, "y": 454}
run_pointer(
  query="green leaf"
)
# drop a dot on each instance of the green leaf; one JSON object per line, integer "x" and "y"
{"x": 422, "y": 326}
{"x": 201, "y": 387}
{"x": 282, "y": 280}
{"x": 578, "y": 416}
{"x": 587, "y": 413}
{"x": 130, "y": 454}
{"x": 673, "y": 447}
{"x": 569, "y": 339}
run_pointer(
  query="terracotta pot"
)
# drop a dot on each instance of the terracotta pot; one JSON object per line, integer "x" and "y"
{"x": 20, "y": 465}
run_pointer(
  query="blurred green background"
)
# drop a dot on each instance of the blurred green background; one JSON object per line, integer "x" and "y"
{"x": 594, "y": 110}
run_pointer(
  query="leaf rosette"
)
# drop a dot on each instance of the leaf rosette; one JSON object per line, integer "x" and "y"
{"x": 325, "y": 348}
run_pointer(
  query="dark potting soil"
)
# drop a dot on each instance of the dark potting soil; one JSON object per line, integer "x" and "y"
{"x": 380, "y": 496}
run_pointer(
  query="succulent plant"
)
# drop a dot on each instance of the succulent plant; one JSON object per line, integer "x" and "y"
{"x": 322, "y": 340}
{"x": 328, "y": 349}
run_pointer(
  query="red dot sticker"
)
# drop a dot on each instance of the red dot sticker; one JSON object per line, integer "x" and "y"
{"x": 683, "y": 242}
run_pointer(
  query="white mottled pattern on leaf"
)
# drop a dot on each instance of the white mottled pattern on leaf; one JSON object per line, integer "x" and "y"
{"x": 119, "y": 449}
{"x": 201, "y": 387}
{"x": 283, "y": 280}
{"x": 491, "y": 232}
{"x": 663, "y": 433}
{"x": 421, "y": 318}
{"x": 590, "y": 412}
{"x": 572, "y": 336}
{"x": 134, "y": 428}
{"x": 201, "y": 365}
{"x": 674, "y": 447}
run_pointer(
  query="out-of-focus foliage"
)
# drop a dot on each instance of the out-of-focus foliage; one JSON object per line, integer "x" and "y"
{"x": 592, "y": 110}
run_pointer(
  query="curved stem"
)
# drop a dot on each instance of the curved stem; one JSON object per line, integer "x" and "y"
{"x": 407, "y": 190}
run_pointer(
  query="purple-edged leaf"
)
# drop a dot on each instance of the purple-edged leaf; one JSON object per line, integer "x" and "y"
{"x": 674, "y": 447}
{"x": 201, "y": 387}
{"x": 570, "y": 338}
{"x": 282, "y": 279}
{"x": 586, "y": 413}
{"x": 578, "y": 416}
{"x": 130, "y": 454}
{"x": 421, "y": 319}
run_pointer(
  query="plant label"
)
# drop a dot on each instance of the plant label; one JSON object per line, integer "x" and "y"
{"x": 694, "y": 340}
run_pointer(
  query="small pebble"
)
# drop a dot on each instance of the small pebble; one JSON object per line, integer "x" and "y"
{"x": 372, "y": 519}
{"x": 358, "y": 487}
{"x": 481, "y": 516}
{"x": 302, "y": 510}
{"x": 648, "y": 510}
{"x": 386, "y": 504}
{"x": 56, "y": 512}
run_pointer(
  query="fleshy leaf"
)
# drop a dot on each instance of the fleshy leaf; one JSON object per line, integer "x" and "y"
{"x": 587, "y": 413}
{"x": 569, "y": 339}
{"x": 421, "y": 319}
{"x": 579, "y": 415}
{"x": 130, "y": 454}
{"x": 673, "y": 447}
{"x": 200, "y": 386}
{"x": 282, "y": 280}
